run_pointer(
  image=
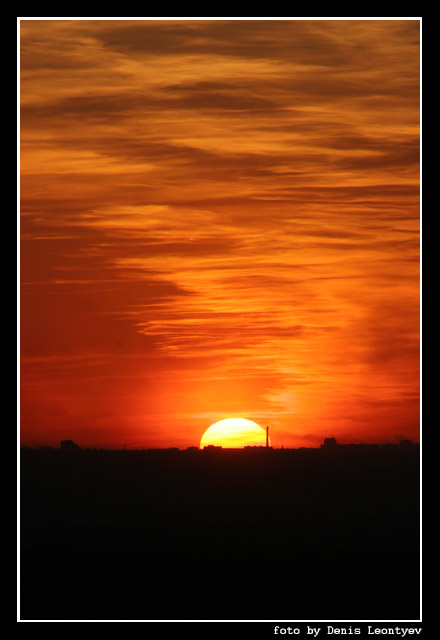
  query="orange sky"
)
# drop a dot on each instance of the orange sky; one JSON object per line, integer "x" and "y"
{"x": 219, "y": 219}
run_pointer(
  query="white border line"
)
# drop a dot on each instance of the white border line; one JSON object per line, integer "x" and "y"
{"x": 19, "y": 19}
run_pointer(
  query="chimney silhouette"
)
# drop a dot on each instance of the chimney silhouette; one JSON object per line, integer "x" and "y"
{"x": 267, "y": 437}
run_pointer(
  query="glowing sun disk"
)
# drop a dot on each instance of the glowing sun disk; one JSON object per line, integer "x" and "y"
{"x": 234, "y": 433}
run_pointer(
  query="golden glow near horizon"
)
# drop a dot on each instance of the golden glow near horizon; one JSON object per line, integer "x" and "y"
{"x": 233, "y": 433}
{"x": 219, "y": 217}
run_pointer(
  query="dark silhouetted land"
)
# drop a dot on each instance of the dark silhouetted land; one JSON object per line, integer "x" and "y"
{"x": 314, "y": 534}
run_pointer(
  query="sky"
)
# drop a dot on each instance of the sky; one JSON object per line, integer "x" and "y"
{"x": 219, "y": 218}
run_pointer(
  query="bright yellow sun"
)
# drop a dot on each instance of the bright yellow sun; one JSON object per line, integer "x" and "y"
{"x": 234, "y": 433}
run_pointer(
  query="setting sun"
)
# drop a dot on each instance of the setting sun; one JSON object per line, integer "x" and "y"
{"x": 234, "y": 433}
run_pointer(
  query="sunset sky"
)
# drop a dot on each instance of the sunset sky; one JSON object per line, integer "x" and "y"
{"x": 219, "y": 218}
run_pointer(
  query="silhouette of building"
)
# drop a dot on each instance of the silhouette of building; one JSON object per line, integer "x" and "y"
{"x": 329, "y": 443}
{"x": 69, "y": 445}
{"x": 406, "y": 444}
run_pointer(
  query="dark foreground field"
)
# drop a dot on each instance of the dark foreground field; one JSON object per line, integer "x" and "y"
{"x": 228, "y": 535}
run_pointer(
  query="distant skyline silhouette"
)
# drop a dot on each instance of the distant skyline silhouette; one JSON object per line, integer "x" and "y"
{"x": 328, "y": 444}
